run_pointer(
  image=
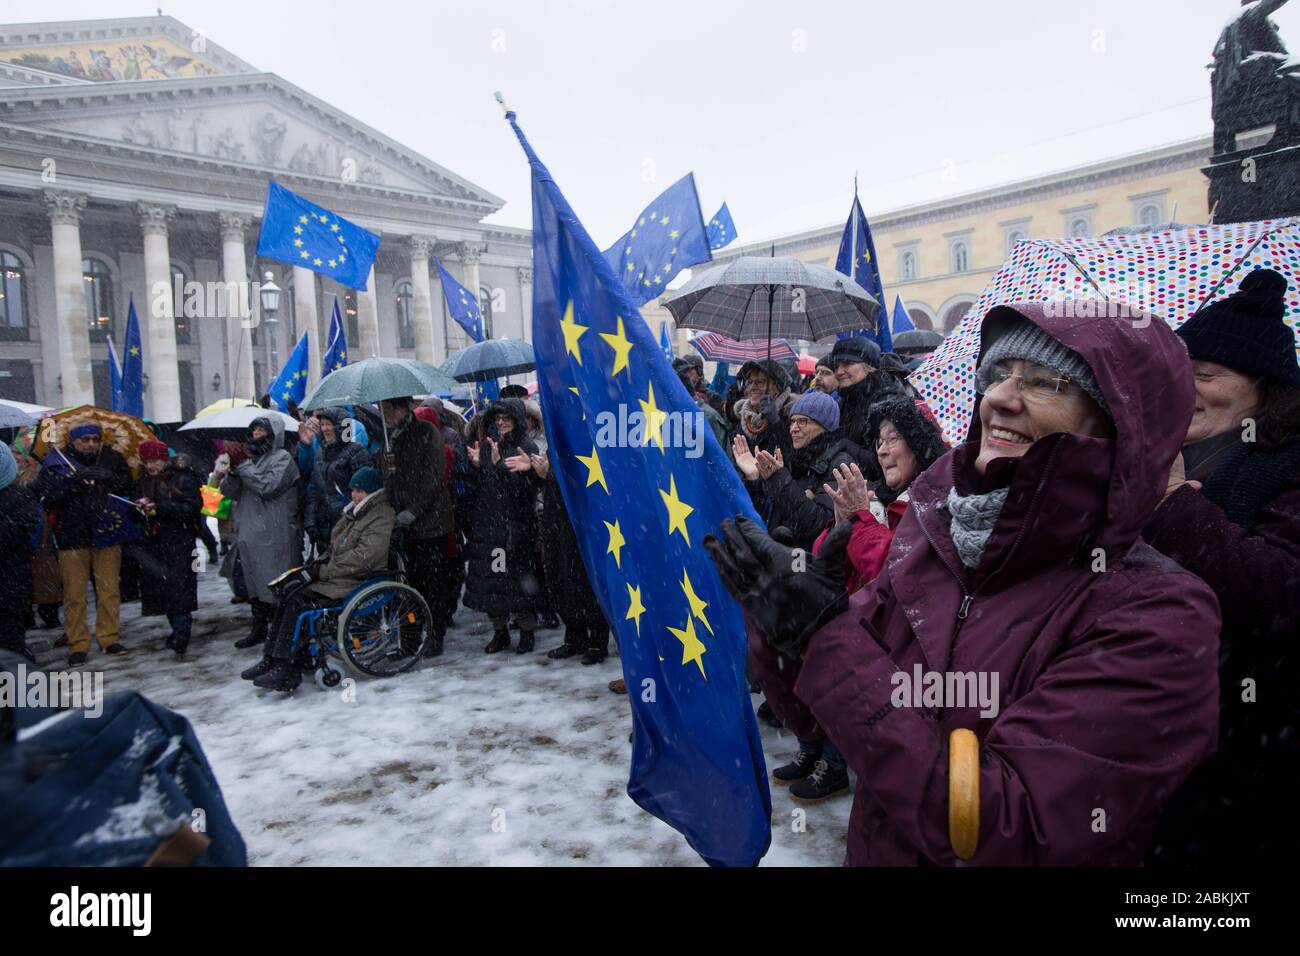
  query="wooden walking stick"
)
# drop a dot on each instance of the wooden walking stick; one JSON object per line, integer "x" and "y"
{"x": 963, "y": 793}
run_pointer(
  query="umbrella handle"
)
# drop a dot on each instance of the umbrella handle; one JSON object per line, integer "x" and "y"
{"x": 963, "y": 793}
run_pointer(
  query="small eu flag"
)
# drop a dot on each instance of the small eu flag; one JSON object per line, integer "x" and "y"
{"x": 291, "y": 384}
{"x": 666, "y": 238}
{"x": 641, "y": 499}
{"x": 902, "y": 321}
{"x": 666, "y": 342}
{"x": 721, "y": 228}
{"x": 857, "y": 260}
{"x": 298, "y": 232}
{"x": 336, "y": 346}
{"x": 132, "y": 400}
{"x": 462, "y": 305}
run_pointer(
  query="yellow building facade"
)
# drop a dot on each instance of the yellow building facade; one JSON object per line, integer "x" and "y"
{"x": 938, "y": 256}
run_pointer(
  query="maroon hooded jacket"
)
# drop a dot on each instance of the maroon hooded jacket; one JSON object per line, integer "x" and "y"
{"x": 1107, "y": 679}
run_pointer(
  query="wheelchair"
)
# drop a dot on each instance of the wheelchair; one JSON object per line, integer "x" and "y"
{"x": 380, "y": 628}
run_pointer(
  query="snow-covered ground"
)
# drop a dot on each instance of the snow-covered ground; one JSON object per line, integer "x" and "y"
{"x": 467, "y": 760}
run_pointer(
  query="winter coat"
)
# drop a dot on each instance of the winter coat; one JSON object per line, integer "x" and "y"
{"x": 358, "y": 546}
{"x": 855, "y": 404}
{"x": 806, "y": 470}
{"x": 268, "y": 539}
{"x": 82, "y": 514}
{"x": 772, "y": 436}
{"x": 566, "y": 575}
{"x": 416, "y": 483}
{"x": 501, "y": 536}
{"x": 1237, "y": 808}
{"x": 332, "y": 468}
{"x": 1104, "y": 650}
{"x": 19, "y": 522}
{"x": 168, "y": 582}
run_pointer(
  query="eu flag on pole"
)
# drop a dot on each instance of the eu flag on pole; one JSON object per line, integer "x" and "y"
{"x": 666, "y": 238}
{"x": 857, "y": 260}
{"x": 641, "y": 498}
{"x": 666, "y": 342}
{"x": 291, "y": 384}
{"x": 336, "y": 345}
{"x": 462, "y": 306}
{"x": 721, "y": 228}
{"x": 132, "y": 401}
{"x": 902, "y": 321}
{"x": 298, "y": 232}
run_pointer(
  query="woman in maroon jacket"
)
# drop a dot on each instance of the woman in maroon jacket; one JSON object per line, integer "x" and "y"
{"x": 1018, "y": 603}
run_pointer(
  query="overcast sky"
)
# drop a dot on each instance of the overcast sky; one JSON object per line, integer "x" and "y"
{"x": 773, "y": 105}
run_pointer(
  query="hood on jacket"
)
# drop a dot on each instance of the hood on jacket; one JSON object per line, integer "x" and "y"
{"x": 912, "y": 420}
{"x": 513, "y": 408}
{"x": 1100, "y": 491}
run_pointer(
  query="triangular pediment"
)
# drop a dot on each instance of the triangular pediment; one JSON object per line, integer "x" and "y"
{"x": 258, "y": 120}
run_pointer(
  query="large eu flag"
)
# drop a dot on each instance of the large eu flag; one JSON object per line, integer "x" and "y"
{"x": 298, "y": 232}
{"x": 666, "y": 238}
{"x": 291, "y": 384}
{"x": 132, "y": 396}
{"x": 641, "y": 498}
{"x": 857, "y": 260}
{"x": 722, "y": 230}
{"x": 461, "y": 304}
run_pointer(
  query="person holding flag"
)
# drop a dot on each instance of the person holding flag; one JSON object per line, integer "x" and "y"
{"x": 640, "y": 506}
{"x": 84, "y": 485}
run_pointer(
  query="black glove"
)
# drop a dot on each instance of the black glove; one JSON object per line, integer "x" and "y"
{"x": 786, "y": 604}
{"x": 767, "y": 409}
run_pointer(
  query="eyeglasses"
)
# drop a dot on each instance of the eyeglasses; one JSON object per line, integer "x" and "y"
{"x": 800, "y": 421}
{"x": 1036, "y": 381}
{"x": 888, "y": 442}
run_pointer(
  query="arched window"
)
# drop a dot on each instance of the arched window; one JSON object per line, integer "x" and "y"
{"x": 405, "y": 296}
{"x": 1014, "y": 236}
{"x": 907, "y": 269}
{"x": 920, "y": 319}
{"x": 13, "y": 298}
{"x": 98, "y": 282}
{"x": 1080, "y": 228}
{"x": 1149, "y": 215}
{"x": 179, "y": 278}
{"x": 954, "y": 313}
{"x": 960, "y": 257}
{"x": 485, "y": 306}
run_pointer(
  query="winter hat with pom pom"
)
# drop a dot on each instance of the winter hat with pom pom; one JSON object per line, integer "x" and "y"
{"x": 1247, "y": 331}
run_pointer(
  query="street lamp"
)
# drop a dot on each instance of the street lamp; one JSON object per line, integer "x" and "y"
{"x": 270, "y": 295}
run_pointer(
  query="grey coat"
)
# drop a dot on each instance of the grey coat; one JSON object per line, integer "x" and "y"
{"x": 269, "y": 537}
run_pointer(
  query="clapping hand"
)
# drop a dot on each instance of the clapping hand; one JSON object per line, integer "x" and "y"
{"x": 519, "y": 463}
{"x": 541, "y": 465}
{"x": 744, "y": 458}
{"x": 472, "y": 452}
{"x": 769, "y": 465}
{"x": 850, "y": 493}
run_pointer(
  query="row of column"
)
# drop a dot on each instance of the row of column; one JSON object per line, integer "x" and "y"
{"x": 158, "y": 320}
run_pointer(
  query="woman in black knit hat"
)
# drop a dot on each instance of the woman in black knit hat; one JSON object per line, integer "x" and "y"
{"x": 1232, "y": 515}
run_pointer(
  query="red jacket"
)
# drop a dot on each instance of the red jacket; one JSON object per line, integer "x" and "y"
{"x": 1107, "y": 681}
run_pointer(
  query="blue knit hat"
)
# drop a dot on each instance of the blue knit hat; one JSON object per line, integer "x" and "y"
{"x": 818, "y": 406}
{"x": 366, "y": 479}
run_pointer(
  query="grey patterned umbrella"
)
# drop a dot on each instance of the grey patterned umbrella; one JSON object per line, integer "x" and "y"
{"x": 755, "y": 298}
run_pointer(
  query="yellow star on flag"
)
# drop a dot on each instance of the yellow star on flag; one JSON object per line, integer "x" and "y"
{"x": 135, "y": 350}
{"x": 572, "y": 332}
{"x": 692, "y": 648}
{"x": 697, "y": 604}
{"x": 636, "y": 608}
{"x": 333, "y": 263}
{"x": 304, "y": 254}
{"x": 594, "y": 472}
{"x": 621, "y": 346}
{"x": 678, "y": 510}
{"x": 654, "y": 420}
{"x": 297, "y": 243}
{"x": 335, "y": 228}
{"x": 297, "y": 230}
{"x": 302, "y": 218}
{"x": 316, "y": 262}
{"x": 616, "y": 543}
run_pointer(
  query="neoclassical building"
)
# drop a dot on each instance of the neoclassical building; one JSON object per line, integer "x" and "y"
{"x": 135, "y": 155}
{"x": 939, "y": 255}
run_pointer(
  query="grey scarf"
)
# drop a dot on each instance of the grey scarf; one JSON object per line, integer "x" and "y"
{"x": 973, "y": 517}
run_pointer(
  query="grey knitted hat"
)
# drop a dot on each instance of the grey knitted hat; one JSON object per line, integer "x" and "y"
{"x": 1025, "y": 340}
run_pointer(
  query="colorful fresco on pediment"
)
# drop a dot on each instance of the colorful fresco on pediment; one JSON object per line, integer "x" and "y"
{"x": 108, "y": 61}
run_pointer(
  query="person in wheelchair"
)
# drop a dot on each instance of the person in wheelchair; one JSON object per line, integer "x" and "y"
{"x": 358, "y": 551}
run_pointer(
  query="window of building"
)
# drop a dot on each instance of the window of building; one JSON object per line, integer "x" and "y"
{"x": 98, "y": 282}
{"x": 17, "y": 381}
{"x": 907, "y": 266}
{"x": 956, "y": 310}
{"x": 405, "y": 296}
{"x": 1014, "y": 236}
{"x": 13, "y": 298}
{"x": 959, "y": 256}
{"x": 485, "y": 306}
{"x": 1080, "y": 228}
{"x": 1150, "y": 214}
{"x": 920, "y": 319}
{"x": 179, "y": 278}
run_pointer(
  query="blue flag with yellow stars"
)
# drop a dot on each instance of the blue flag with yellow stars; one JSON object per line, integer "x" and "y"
{"x": 114, "y": 377}
{"x": 721, "y": 228}
{"x": 461, "y": 304}
{"x": 902, "y": 321}
{"x": 857, "y": 260}
{"x": 291, "y": 384}
{"x": 666, "y": 238}
{"x": 665, "y": 342}
{"x": 644, "y": 481}
{"x": 336, "y": 345}
{"x": 298, "y": 232}
{"x": 132, "y": 400}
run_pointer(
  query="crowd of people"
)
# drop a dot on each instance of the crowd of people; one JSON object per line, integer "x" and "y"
{"x": 1116, "y": 543}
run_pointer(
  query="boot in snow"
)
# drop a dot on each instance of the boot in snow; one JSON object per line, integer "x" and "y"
{"x": 283, "y": 676}
{"x": 575, "y": 642}
{"x": 258, "y": 669}
{"x": 500, "y": 641}
{"x": 597, "y": 646}
{"x": 797, "y": 769}
{"x": 824, "y": 782}
{"x": 525, "y": 642}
